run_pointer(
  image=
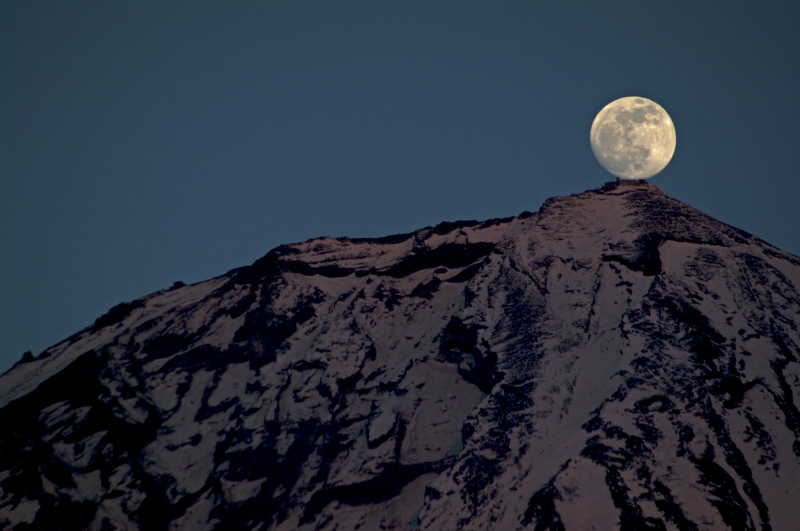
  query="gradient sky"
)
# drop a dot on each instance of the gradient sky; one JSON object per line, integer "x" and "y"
{"x": 143, "y": 143}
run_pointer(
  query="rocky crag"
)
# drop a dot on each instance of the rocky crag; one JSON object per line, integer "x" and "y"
{"x": 616, "y": 360}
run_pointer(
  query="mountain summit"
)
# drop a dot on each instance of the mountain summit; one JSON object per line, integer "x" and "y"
{"x": 616, "y": 360}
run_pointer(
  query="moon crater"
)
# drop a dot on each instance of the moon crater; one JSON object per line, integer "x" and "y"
{"x": 633, "y": 138}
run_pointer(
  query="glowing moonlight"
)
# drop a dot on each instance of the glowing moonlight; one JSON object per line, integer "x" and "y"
{"x": 633, "y": 138}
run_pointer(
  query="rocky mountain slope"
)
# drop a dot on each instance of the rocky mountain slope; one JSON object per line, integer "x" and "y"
{"x": 616, "y": 360}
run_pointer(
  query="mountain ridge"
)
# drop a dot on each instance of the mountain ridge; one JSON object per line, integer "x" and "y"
{"x": 537, "y": 371}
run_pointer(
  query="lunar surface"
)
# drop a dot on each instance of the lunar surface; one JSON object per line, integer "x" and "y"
{"x": 633, "y": 138}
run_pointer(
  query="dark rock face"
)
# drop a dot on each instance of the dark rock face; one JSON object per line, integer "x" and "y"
{"x": 617, "y": 360}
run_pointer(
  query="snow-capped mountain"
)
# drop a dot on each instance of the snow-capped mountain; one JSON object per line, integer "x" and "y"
{"x": 616, "y": 360}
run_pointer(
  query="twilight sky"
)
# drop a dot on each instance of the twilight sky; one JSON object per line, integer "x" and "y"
{"x": 147, "y": 142}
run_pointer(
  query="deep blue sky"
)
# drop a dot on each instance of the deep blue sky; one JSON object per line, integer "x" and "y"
{"x": 147, "y": 142}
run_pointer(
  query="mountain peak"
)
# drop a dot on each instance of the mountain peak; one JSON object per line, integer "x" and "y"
{"x": 615, "y": 359}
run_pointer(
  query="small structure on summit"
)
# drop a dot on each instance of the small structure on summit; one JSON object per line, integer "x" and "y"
{"x": 613, "y": 185}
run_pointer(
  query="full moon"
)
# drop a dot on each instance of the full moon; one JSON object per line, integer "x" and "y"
{"x": 633, "y": 138}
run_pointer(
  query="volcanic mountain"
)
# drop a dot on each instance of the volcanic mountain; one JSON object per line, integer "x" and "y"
{"x": 616, "y": 360}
